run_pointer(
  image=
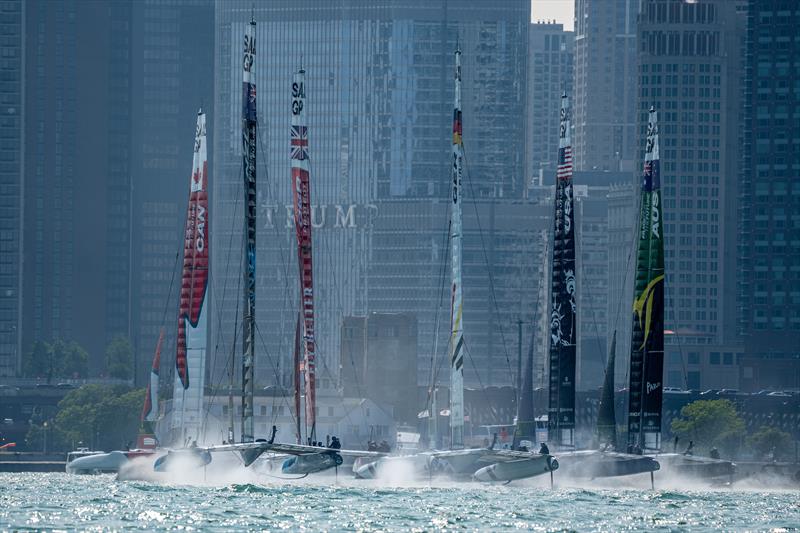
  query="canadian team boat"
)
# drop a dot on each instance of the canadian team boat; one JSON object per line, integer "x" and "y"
{"x": 296, "y": 458}
{"x": 480, "y": 464}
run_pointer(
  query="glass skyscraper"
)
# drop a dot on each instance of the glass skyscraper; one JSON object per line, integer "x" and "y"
{"x": 769, "y": 225}
{"x": 12, "y": 38}
{"x": 379, "y": 88}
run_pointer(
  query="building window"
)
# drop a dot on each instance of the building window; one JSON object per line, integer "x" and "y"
{"x": 693, "y": 380}
{"x": 713, "y": 358}
{"x": 727, "y": 358}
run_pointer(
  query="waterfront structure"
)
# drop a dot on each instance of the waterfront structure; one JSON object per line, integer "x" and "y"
{"x": 379, "y": 361}
{"x": 688, "y": 70}
{"x": 377, "y": 95}
{"x": 12, "y": 158}
{"x": 550, "y": 56}
{"x": 769, "y": 195}
{"x": 605, "y": 85}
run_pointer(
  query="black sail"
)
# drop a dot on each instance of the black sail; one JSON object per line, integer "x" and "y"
{"x": 249, "y": 143}
{"x": 563, "y": 334}
{"x": 647, "y": 338}
{"x": 606, "y": 415}
{"x": 526, "y": 420}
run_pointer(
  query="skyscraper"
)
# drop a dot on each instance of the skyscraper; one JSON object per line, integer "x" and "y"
{"x": 769, "y": 234}
{"x": 77, "y": 189}
{"x": 173, "y": 73}
{"x": 689, "y": 71}
{"x": 12, "y": 156}
{"x": 605, "y": 84}
{"x": 550, "y": 55}
{"x": 379, "y": 92}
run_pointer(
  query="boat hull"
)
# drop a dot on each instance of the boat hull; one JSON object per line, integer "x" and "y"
{"x": 590, "y": 464}
{"x": 519, "y": 469}
{"x": 696, "y": 466}
{"x": 99, "y": 463}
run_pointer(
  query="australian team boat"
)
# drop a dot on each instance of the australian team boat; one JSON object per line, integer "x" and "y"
{"x": 645, "y": 398}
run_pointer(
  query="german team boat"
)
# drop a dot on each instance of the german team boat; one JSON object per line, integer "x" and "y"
{"x": 645, "y": 398}
{"x": 563, "y": 337}
{"x": 481, "y": 464}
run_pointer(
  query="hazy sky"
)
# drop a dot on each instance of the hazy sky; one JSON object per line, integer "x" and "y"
{"x": 560, "y": 10}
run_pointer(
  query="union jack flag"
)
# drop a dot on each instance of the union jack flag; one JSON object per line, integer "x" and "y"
{"x": 300, "y": 142}
{"x": 564, "y": 171}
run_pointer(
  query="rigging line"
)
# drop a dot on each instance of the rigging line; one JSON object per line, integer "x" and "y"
{"x": 443, "y": 270}
{"x": 318, "y": 354}
{"x": 480, "y": 382}
{"x": 282, "y": 261}
{"x": 488, "y": 268}
{"x": 219, "y": 300}
{"x": 228, "y": 373}
{"x": 631, "y": 250}
{"x": 594, "y": 321}
{"x": 271, "y": 360}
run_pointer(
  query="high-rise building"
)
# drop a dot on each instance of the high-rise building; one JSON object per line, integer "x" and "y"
{"x": 379, "y": 361}
{"x": 379, "y": 97}
{"x": 689, "y": 69}
{"x": 550, "y": 54}
{"x": 12, "y": 158}
{"x": 604, "y": 115}
{"x": 77, "y": 188}
{"x": 173, "y": 72}
{"x": 769, "y": 235}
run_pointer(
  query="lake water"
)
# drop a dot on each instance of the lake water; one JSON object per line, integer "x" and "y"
{"x": 60, "y": 501}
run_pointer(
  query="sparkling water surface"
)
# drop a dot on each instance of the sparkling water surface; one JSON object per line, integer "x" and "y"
{"x": 64, "y": 502}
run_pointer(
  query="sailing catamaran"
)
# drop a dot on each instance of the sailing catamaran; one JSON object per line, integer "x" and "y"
{"x": 647, "y": 337}
{"x": 482, "y": 464}
{"x": 187, "y": 406}
{"x": 311, "y": 457}
{"x": 563, "y": 336}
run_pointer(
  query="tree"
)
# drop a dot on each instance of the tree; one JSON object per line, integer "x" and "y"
{"x": 107, "y": 416}
{"x": 57, "y": 359}
{"x": 119, "y": 358}
{"x": 770, "y": 442}
{"x": 711, "y": 423}
{"x": 38, "y": 361}
{"x": 70, "y": 359}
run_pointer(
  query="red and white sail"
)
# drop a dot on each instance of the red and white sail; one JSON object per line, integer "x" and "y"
{"x": 301, "y": 188}
{"x": 192, "y": 312}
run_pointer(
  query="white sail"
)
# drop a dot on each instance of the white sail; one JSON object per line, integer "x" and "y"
{"x": 190, "y": 360}
{"x": 456, "y": 319}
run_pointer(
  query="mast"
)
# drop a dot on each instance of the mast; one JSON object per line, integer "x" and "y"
{"x": 563, "y": 334}
{"x": 249, "y": 165}
{"x": 456, "y": 325}
{"x": 190, "y": 360}
{"x": 647, "y": 336}
{"x": 606, "y": 414}
{"x": 150, "y": 409}
{"x": 301, "y": 188}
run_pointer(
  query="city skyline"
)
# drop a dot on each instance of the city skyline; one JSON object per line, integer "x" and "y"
{"x": 379, "y": 115}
